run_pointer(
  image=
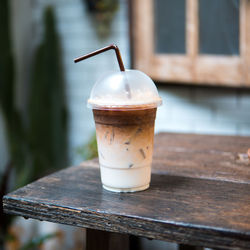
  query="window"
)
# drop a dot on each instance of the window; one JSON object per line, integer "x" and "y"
{"x": 192, "y": 41}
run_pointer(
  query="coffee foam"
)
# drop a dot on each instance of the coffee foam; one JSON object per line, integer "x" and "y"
{"x": 137, "y": 98}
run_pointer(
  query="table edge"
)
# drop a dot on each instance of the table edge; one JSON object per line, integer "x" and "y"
{"x": 139, "y": 226}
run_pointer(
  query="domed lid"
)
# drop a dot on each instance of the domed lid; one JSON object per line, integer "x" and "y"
{"x": 130, "y": 89}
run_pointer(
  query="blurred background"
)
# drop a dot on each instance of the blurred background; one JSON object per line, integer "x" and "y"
{"x": 44, "y": 122}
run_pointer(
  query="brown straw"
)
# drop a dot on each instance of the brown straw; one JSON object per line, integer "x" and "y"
{"x": 112, "y": 46}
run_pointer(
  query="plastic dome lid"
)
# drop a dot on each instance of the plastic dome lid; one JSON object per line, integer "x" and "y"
{"x": 130, "y": 89}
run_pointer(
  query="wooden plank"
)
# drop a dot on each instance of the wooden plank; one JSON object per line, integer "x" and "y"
{"x": 165, "y": 67}
{"x": 245, "y": 38}
{"x": 142, "y": 31}
{"x": 220, "y": 70}
{"x": 192, "y": 34}
{"x": 102, "y": 240}
{"x": 243, "y": 34}
{"x": 186, "y": 247}
{"x": 210, "y": 70}
{"x": 202, "y": 156}
{"x": 180, "y": 209}
{"x": 96, "y": 239}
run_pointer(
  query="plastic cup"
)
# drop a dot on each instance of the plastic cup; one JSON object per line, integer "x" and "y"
{"x": 124, "y": 106}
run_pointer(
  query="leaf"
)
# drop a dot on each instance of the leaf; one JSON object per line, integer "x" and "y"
{"x": 38, "y": 241}
{"x": 89, "y": 150}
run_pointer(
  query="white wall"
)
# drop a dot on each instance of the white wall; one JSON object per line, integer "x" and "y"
{"x": 204, "y": 110}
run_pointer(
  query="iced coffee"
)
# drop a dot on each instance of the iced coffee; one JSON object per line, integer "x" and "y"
{"x": 125, "y": 145}
{"x": 125, "y": 129}
{"x": 124, "y": 105}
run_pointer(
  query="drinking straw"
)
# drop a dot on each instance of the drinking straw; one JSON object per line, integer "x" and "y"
{"x": 96, "y": 52}
{"x": 119, "y": 59}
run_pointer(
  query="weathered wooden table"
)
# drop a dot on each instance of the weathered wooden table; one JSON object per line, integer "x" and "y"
{"x": 199, "y": 195}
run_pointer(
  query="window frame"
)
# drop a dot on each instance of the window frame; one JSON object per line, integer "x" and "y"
{"x": 192, "y": 67}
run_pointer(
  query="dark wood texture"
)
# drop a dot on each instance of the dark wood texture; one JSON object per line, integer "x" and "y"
{"x": 188, "y": 247}
{"x": 199, "y": 195}
{"x": 203, "y": 156}
{"x": 102, "y": 240}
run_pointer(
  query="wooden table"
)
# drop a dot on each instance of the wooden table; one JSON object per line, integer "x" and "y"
{"x": 199, "y": 195}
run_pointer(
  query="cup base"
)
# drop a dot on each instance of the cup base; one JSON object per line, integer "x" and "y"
{"x": 126, "y": 190}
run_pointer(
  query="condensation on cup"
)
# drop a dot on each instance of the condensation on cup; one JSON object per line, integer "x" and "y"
{"x": 124, "y": 105}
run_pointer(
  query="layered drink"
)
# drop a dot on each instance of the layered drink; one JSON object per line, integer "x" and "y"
{"x": 124, "y": 107}
{"x": 125, "y": 145}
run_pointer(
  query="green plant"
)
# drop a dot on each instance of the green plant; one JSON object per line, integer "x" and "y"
{"x": 89, "y": 150}
{"x": 41, "y": 146}
{"x": 12, "y": 119}
{"x": 36, "y": 242}
{"x": 102, "y": 12}
{"x": 47, "y": 110}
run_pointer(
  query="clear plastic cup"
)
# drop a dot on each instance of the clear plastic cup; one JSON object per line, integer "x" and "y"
{"x": 124, "y": 106}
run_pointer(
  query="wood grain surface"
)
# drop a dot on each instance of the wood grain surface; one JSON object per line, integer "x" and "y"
{"x": 179, "y": 206}
{"x": 203, "y": 156}
{"x": 102, "y": 240}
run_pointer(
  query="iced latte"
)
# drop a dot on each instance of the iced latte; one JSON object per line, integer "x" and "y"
{"x": 124, "y": 105}
{"x": 125, "y": 145}
{"x": 124, "y": 119}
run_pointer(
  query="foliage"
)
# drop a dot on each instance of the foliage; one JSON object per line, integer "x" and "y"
{"x": 36, "y": 242}
{"x": 89, "y": 151}
{"x": 14, "y": 128}
{"x": 40, "y": 147}
{"x": 47, "y": 111}
{"x": 103, "y": 12}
